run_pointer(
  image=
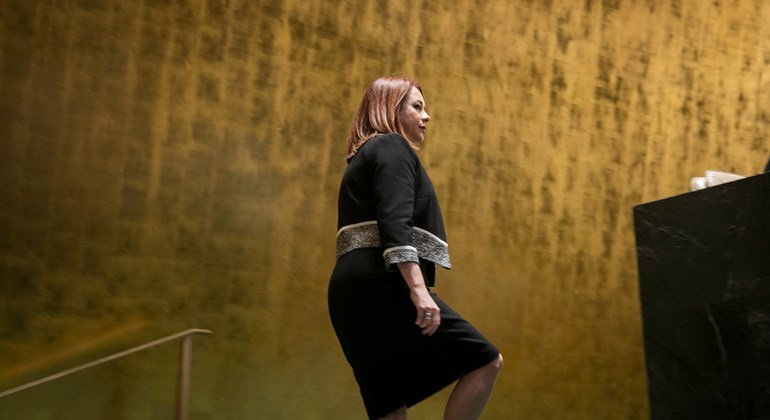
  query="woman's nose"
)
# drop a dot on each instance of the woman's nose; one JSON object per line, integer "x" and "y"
{"x": 425, "y": 116}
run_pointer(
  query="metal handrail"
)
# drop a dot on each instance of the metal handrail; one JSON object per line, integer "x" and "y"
{"x": 183, "y": 389}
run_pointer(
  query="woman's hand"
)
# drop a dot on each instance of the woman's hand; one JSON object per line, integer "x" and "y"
{"x": 428, "y": 313}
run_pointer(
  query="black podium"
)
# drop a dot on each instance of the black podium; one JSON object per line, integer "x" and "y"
{"x": 704, "y": 282}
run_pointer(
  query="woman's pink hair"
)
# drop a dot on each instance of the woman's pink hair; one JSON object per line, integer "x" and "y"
{"x": 378, "y": 113}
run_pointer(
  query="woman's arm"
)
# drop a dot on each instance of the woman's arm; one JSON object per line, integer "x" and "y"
{"x": 393, "y": 178}
{"x": 421, "y": 298}
{"x": 395, "y": 168}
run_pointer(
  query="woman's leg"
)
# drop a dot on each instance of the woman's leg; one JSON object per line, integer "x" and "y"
{"x": 472, "y": 392}
{"x": 398, "y": 414}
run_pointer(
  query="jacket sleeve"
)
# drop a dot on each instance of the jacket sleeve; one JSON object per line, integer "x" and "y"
{"x": 395, "y": 169}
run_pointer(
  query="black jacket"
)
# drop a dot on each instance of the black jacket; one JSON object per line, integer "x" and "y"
{"x": 387, "y": 200}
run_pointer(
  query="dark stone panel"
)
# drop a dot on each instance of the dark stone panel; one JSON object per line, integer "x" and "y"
{"x": 717, "y": 239}
{"x": 711, "y": 361}
{"x": 704, "y": 283}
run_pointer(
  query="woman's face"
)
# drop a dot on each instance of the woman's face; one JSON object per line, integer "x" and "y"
{"x": 413, "y": 117}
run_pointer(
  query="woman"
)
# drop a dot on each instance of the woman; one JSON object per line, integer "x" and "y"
{"x": 402, "y": 341}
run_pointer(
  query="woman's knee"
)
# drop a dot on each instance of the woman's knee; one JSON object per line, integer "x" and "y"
{"x": 397, "y": 414}
{"x": 497, "y": 364}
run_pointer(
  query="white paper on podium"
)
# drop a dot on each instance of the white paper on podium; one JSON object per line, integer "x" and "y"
{"x": 712, "y": 178}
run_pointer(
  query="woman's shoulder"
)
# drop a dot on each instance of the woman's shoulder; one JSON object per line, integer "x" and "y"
{"x": 387, "y": 144}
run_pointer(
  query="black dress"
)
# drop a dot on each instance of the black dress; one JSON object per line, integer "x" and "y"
{"x": 388, "y": 213}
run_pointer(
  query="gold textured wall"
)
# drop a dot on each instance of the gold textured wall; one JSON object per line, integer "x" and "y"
{"x": 167, "y": 164}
